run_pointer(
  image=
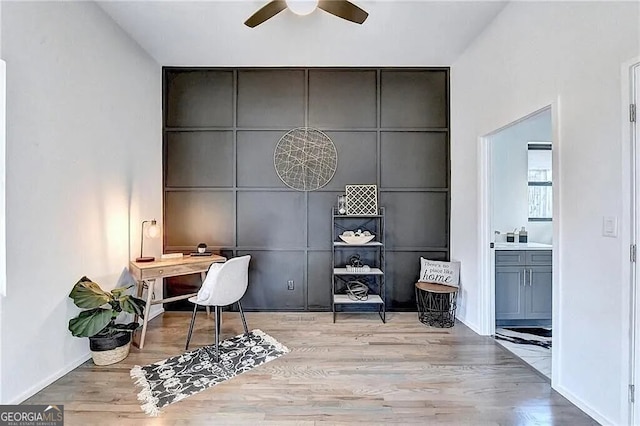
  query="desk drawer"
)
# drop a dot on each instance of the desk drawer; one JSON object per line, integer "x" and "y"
{"x": 172, "y": 271}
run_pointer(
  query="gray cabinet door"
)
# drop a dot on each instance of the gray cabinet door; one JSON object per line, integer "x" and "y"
{"x": 509, "y": 292}
{"x": 538, "y": 292}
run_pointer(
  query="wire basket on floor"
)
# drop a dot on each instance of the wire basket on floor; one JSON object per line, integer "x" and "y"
{"x": 436, "y": 304}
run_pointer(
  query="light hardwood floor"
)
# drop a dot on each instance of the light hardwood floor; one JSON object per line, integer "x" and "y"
{"x": 357, "y": 370}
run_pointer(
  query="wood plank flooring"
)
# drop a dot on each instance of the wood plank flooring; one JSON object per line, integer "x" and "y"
{"x": 357, "y": 370}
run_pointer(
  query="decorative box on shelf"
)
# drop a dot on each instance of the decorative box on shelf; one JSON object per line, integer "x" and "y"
{"x": 364, "y": 268}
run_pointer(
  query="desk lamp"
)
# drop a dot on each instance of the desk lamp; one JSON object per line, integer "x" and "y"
{"x": 153, "y": 230}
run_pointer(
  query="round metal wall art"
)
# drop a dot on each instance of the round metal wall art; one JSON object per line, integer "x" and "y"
{"x": 305, "y": 159}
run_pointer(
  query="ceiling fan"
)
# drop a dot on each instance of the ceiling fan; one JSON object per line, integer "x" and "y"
{"x": 341, "y": 8}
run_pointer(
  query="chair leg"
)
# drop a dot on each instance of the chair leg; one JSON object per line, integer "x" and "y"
{"x": 218, "y": 320}
{"x": 193, "y": 320}
{"x": 244, "y": 321}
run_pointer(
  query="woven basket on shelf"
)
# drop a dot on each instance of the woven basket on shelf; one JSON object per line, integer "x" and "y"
{"x": 111, "y": 356}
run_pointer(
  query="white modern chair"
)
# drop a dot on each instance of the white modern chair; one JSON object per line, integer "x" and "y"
{"x": 224, "y": 285}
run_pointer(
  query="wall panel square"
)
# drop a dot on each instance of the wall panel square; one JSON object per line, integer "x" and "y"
{"x": 271, "y": 98}
{"x": 199, "y": 217}
{"x": 413, "y": 98}
{"x": 197, "y": 159}
{"x": 199, "y": 98}
{"x": 357, "y": 159}
{"x": 255, "y": 159}
{"x": 342, "y": 99}
{"x": 416, "y": 219}
{"x": 269, "y": 272}
{"x": 414, "y": 160}
{"x": 271, "y": 219}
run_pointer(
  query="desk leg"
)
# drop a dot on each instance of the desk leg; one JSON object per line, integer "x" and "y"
{"x": 139, "y": 290}
{"x": 140, "y": 286}
{"x": 203, "y": 275}
{"x": 147, "y": 309}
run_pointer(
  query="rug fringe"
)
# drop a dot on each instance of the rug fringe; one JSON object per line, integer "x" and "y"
{"x": 267, "y": 338}
{"x": 150, "y": 406}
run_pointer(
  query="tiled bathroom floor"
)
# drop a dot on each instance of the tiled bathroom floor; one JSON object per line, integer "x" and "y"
{"x": 534, "y": 355}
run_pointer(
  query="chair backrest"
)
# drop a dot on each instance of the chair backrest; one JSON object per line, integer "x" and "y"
{"x": 226, "y": 284}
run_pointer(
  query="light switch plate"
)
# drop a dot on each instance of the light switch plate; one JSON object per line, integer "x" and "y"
{"x": 610, "y": 226}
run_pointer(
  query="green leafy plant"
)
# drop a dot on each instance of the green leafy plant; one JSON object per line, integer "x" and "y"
{"x": 103, "y": 308}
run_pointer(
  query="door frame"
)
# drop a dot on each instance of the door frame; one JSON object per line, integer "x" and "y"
{"x": 631, "y": 196}
{"x": 486, "y": 254}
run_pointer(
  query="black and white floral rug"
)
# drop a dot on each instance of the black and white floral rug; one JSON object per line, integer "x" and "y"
{"x": 176, "y": 378}
{"x": 537, "y": 336}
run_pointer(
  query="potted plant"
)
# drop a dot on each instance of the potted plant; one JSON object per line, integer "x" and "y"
{"x": 109, "y": 341}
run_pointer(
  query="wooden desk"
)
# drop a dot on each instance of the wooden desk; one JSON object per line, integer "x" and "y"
{"x": 146, "y": 274}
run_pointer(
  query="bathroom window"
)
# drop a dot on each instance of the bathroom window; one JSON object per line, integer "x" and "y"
{"x": 539, "y": 179}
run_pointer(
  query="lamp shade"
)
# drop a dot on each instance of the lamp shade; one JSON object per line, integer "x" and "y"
{"x": 151, "y": 231}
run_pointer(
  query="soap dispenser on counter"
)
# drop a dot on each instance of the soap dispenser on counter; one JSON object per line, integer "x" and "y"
{"x": 522, "y": 235}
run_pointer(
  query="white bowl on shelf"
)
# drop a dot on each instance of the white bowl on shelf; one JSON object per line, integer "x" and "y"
{"x": 360, "y": 239}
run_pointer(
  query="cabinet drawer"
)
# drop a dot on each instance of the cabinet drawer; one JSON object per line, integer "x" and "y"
{"x": 510, "y": 257}
{"x": 171, "y": 271}
{"x": 538, "y": 257}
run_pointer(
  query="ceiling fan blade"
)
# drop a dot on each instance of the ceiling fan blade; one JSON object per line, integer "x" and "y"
{"x": 344, "y": 9}
{"x": 267, "y": 11}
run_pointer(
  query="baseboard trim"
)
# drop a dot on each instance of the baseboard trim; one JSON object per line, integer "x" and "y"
{"x": 473, "y": 327}
{"x": 52, "y": 378}
{"x": 595, "y": 415}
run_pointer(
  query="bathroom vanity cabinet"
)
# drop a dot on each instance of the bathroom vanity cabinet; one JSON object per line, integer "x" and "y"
{"x": 523, "y": 286}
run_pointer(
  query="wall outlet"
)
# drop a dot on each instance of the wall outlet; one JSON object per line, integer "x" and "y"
{"x": 290, "y": 285}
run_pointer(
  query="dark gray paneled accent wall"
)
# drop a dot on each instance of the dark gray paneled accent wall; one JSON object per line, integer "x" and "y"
{"x": 390, "y": 127}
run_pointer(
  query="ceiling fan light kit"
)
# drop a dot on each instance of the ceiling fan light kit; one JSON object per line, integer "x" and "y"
{"x": 302, "y": 7}
{"x": 341, "y": 8}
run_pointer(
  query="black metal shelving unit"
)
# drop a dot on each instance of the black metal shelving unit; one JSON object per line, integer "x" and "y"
{"x": 373, "y": 252}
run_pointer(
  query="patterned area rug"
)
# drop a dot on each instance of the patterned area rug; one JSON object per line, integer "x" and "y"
{"x": 537, "y": 331}
{"x": 176, "y": 378}
{"x": 525, "y": 336}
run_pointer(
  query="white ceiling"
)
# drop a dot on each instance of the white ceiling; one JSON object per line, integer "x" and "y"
{"x": 212, "y": 33}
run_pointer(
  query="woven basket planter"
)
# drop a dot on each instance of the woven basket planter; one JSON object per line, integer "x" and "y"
{"x": 110, "y": 350}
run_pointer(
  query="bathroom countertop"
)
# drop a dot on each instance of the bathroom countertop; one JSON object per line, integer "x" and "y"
{"x": 522, "y": 246}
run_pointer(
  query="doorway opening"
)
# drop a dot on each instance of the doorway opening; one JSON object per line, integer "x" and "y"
{"x": 519, "y": 199}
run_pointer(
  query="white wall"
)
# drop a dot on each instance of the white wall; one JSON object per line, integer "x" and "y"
{"x": 509, "y": 160}
{"x": 571, "y": 53}
{"x": 83, "y": 168}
